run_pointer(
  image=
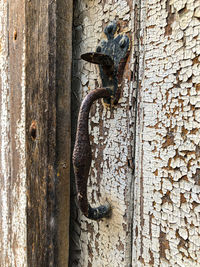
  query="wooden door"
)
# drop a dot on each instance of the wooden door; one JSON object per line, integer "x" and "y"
{"x": 145, "y": 150}
{"x": 107, "y": 242}
{"x": 146, "y": 165}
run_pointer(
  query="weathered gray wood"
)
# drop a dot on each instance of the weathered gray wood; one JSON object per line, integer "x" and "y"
{"x": 12, "y": 136}
{"x": 40, "y": 151}
{"x": 48, "y": 65}
{"x": 63, "y": 130}
{"x": 35, "y": 81}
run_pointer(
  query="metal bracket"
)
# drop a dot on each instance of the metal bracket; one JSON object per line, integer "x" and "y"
{"x": 111, "y": 55}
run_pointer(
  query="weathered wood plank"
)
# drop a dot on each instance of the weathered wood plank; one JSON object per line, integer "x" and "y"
{"x": 35, "y": 164}
{"x": 166, "y": 210}
{"x": 48, "y": 70}
{"x": 40, "y": 147}
{"x": 12, "y": 137}
{"x": 17, "y": 131}
{"x": 63, "y": 130}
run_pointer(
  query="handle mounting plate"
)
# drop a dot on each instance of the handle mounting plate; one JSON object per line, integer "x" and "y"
{"x": 111, "y": 56}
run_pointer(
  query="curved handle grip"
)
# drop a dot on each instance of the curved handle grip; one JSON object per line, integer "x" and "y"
{"x": 82, "y": 156}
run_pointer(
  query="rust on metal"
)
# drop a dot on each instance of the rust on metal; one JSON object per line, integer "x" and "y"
{"x": 82, "y": 156}
{"x": 111, "y": 56}
{"x": 98, "y": 58}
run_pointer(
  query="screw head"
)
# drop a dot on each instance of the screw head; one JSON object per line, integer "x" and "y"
{"x": 109, "y": 28}
{"x": 98, "y": 49}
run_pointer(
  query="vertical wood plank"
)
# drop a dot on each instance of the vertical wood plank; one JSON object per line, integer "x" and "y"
{"x": 12, "y": 137}
{"x": 166, "y": 207}
{"x": 41, "y": 144}
{"x": 17, "y": 130}
{"x": 35, "y": 82}
{"x": 63, "y": 130}
{"x": 48, "y": 70}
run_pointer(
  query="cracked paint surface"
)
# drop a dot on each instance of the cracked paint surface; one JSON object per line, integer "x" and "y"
{"x": 166, "y": 221}
{"x": 108, "y": 241}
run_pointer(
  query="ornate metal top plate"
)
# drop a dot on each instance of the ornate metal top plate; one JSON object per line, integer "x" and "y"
{"x": 111, "y": 55}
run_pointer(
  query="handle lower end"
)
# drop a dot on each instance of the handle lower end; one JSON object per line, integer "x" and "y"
{"x": 99, "y": 212}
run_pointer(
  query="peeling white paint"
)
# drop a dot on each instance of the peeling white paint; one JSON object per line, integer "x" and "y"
{"x": 107, "y": 242}
{"x": 167, "y": 141}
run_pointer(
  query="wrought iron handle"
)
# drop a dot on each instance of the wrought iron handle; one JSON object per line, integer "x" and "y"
{"x": 82, "y": 156}
{"x": 111, "y": 56}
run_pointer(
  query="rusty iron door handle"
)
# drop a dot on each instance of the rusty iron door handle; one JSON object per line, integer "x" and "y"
{"x": 111, "y": 56}
{"x": 82, "y": 156}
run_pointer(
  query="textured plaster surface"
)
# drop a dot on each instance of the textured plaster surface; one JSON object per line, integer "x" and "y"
{"x": 166, "y": 221}
{"x": 108, "y": 241}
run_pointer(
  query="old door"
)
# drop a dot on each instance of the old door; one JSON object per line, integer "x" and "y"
{"x": 107, "y": 242}
{"x": 146, "y": 149}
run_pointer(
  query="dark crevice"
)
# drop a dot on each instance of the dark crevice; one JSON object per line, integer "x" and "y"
{"x": 182, "y": 11}
{"x": 74, "y": 228}
{"x": 170, "y": 19}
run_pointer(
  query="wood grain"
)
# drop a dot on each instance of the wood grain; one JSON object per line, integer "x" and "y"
{"x": 48, "y": 70}
{"x": 12, "y": 136}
